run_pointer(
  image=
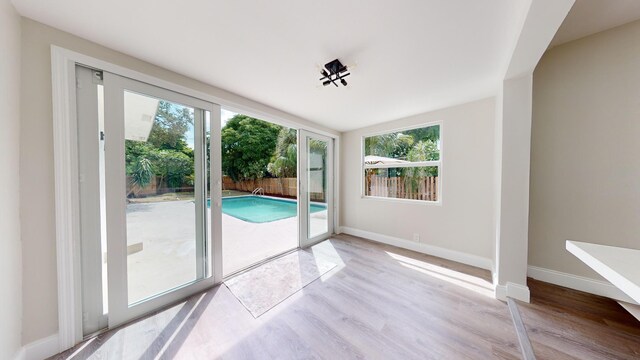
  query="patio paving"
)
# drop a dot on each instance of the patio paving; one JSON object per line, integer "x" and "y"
{"x": 168, "y": 257}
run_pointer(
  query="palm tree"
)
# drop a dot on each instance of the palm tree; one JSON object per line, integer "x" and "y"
{"x": 142, "y": 173}
{"x": 284, "y": 162}
{"x": 285, "y": 165}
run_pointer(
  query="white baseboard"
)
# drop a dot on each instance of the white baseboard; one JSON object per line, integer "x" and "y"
{"x": 453, "y": 255}
{"x": 500, "y": 292}
{"x": 514, "y": 291}
{"x": 519, "y": 292}
{"x": 576, "y": 282}
{"x": 41, "y": 349}
{"x": 20, "y": 354}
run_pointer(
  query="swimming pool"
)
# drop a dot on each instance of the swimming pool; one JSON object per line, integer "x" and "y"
{"x": 258, "y": 209}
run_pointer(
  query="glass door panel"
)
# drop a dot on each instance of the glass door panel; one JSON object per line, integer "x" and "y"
{"x": 157, "y": 217}
{"x": 165, "y": 222}
{"x": 316, "y": 188}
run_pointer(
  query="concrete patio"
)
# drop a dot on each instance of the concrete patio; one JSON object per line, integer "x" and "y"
{"x": 168, "y": 256}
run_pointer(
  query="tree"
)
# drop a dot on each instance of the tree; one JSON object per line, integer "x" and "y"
{"x": 170, "y": 126}
{"x": 413, "y": 145}
{"x": 425, "y": 150}
{"x": 134, "y": 151}
{"x": 426, "y": 133}
{"x": 394, "y": 145}
{"x": 173, "y": 168}
{"x": 247, "y": 146}
{"x": 284, "y": 162}
{"x": 398, "y": 145}
{"x": 166, "y": 153}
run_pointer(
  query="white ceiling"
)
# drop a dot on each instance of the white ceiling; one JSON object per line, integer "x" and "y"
{"x": 588, "y": 17}
{"x": 412, "y": 56}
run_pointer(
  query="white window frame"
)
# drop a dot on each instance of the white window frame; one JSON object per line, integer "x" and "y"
{"x": 437, "y": 163}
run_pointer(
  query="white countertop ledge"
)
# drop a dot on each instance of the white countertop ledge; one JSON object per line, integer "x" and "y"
{"x": 620, "y": 266}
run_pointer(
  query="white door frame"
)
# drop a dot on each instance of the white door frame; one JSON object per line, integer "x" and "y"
{"x": 120, "y": 311}
{"x": 67, "y": 219}
{"x": 303, "y": 181}
{"x": 90, "y": 162}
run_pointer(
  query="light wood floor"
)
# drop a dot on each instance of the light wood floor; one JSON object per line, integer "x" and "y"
{"x": 380, "y": 302}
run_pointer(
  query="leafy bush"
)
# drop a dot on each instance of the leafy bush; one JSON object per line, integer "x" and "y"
{"x": 247, "y": 146}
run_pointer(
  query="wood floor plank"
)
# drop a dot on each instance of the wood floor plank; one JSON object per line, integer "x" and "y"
{"x": 379, "y": 302}
{"x": 521, "y": 331}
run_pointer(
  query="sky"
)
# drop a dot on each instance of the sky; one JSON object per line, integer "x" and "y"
{"x": 225, "y": 116}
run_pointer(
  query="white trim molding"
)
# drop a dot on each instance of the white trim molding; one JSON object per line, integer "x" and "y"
{"x": 40, "y": 349}
{"x": 20, "y": 354}
{"x": 580, "y": 283}
{"x": 66, "y": 198}
{"x": 500, "y": 292}
{"x": 514, "y": 291}
{"x": 453, "y": 255}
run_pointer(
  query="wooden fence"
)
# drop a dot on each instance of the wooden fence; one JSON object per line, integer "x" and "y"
{"x": 272, "y": 186}
{"x": 426, "y": 188}
{"x": 152, "y": 189}
{"x": 137, "y": 191}
{"x": 284, "y": 187}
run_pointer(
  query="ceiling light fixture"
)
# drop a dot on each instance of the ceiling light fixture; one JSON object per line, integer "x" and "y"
{"x": 334, "y": 72}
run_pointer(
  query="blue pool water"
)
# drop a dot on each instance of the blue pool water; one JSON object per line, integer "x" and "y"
{"x": 258, "y": 209}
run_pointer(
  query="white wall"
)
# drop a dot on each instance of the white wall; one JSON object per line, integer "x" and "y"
{"x": 585, "y": 156}
{"x": 464, "y": 221}
{"x": 10, "y": 245}
{"x": 513, "y": 125}
{"x": 513, "y": 140}
{"x": 36, "y": 163}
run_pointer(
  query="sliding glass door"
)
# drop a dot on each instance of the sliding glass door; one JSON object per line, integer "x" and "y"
{"x": 158, "y": 227}
{"x": 151, "y": 197}
{"x": 316, "y": 188}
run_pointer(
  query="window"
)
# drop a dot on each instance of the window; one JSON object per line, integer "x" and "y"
{"x": 403, "y": 164}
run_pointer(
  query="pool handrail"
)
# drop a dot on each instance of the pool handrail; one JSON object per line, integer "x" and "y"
{"x": 258, "y": 191}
